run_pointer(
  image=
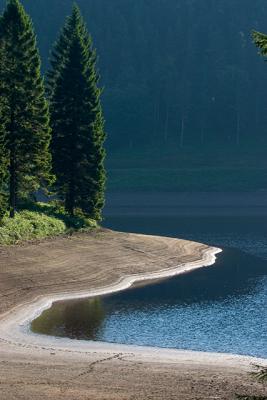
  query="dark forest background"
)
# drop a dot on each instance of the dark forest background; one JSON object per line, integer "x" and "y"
{"x": 184, "y": 84}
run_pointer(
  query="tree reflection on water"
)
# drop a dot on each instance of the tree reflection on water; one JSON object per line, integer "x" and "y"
{"x": 79, "y": 319}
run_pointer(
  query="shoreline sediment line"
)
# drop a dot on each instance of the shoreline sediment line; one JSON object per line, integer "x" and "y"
{"x": 34, "y": 275}
{"x": 15, "y": 324}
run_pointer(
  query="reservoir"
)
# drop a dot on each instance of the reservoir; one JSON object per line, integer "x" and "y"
{"x": 221, "y": 308}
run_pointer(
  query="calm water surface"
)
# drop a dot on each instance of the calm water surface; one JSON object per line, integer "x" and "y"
{"x": 221, "y": 308}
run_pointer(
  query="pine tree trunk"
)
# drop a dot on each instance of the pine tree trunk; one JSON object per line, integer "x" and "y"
{"x": 69, "y": 203}
{"x": 12, "y": 172}
{"x": 69, "y": 208}
{"x": 12, "y": 186}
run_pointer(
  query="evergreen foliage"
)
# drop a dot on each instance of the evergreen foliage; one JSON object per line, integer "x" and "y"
{"x": 3, "y": 197}
{"x": 174, "y": 72}
{"x": 3, "y": 158}
{"x": 77, "y": 120}
{"x": 260, "y": 40}
{"x": 25, "y": 133}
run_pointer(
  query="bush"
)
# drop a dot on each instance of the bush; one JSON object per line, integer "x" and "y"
{"x": 56, "y": 210}
{"x": 29, "y": 225}
{"x": 40, "y": 220}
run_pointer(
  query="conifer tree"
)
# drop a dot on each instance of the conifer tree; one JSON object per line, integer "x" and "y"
{"x": 3, "y": 158}
{"x": 77, "y": 121}
{"x": 25, "y": 132}
{"x": 3, "y": 176}
{"x": 3, "y": 182}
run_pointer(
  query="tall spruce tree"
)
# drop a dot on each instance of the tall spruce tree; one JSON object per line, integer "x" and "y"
{"x": 3, "y": 171}
{"x": 3, "y": 176}
{"x": 3, "y": 158}
{"x": 25, "y": 132}
{"x": 77, "y": 121}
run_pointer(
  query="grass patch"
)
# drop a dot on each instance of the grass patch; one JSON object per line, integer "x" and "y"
{"x": 40, "y": 221}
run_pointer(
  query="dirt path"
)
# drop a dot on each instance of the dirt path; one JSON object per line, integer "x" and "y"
{"x": 87, "y": 262}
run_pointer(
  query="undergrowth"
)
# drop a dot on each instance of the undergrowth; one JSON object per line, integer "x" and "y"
{"x": 39, "y": 221}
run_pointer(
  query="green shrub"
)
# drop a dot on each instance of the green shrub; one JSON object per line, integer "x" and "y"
{"x": 29, "y": 225}
{"x": 56, "y": 210}
{"x": 40, "y": 220}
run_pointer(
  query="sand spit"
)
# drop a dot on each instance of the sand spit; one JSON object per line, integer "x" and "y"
{"x": 15, "y": 325}
{"x": 41, "y": 367}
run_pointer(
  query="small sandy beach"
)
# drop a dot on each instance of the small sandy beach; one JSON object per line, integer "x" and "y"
{"x": 39, "y": 367}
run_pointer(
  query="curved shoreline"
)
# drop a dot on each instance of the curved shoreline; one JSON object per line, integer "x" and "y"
{"x": 31, "y": 278}
{"x": 18, "y": 321}
{"x": 15, "y": 325}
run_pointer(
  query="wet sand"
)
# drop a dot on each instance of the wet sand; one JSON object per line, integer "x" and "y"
{"x": 40, "y": 367}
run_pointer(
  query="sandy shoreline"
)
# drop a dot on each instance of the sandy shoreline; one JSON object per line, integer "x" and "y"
{"x": 116, "y": 261}
{"x": 15, "y": 325}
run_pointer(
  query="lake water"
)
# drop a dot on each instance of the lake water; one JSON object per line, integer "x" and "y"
{"x": 221, "y": 308}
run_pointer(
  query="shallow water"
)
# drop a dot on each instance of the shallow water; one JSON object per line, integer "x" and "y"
{"x": 220, "y": 308}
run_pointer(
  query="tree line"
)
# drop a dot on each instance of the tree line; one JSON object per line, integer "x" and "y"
{"x": 51, "y": 136}
{"x": 176, "y": 73}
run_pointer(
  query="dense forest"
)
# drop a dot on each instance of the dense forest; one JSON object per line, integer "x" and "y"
{"x": 175, "y": 72}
